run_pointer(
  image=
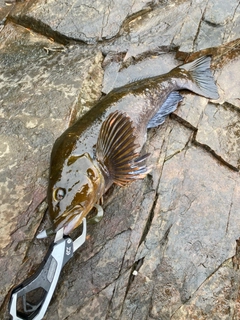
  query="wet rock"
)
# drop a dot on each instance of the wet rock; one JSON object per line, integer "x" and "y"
{"x": 182, "y": 226}
{"x": 192, "y": 108}
{"x": 116, "y": 76}
{"x": 71, "y": 19}
{"x": 204, "y": 305}
{"x": 164, "y": 248}
{"x": 219, "y": 129}
{"x": 227, "y": 81}
{"x": 179, "y": 140}
{"x": 5, "y": 9}
{"x": 40, "y": 94}
{"x": 218, "y": 24}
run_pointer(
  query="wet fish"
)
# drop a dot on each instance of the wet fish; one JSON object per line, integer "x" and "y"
{"x": 104, "y": 146}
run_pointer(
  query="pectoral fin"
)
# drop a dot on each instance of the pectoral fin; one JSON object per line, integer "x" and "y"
{"x": 116, "y": 150}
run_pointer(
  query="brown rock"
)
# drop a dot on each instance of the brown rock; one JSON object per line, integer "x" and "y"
{"x": 178, "y": 228}
{"x": 219, "y": 129}
{"x": 39, "y": 97}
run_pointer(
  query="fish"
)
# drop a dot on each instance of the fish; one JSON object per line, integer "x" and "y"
{"x": 104, "y": 147}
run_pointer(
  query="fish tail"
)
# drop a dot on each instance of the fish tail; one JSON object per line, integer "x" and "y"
{"x": 202, "y": 79}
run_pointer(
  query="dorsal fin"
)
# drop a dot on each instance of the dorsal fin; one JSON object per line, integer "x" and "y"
{"x": 116, "y": 147}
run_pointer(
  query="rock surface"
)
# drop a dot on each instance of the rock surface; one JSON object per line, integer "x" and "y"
{"x": 167, "y": 247}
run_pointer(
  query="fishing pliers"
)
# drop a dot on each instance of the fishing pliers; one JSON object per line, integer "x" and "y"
{"x": 30, "y": 299}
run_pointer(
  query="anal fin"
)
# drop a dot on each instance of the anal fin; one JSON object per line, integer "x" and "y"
{"x": 169, "y": 105}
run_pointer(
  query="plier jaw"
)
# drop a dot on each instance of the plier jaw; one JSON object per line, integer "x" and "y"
{"x": 45, "y": 278}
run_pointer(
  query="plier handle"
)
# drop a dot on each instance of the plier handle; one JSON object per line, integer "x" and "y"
{"x": 30, "y": 299}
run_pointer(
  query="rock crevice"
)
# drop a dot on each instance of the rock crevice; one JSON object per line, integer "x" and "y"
{"x": 167, "y": 246}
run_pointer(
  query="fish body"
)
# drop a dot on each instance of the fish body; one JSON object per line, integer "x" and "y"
{"x": 103, "y": 147}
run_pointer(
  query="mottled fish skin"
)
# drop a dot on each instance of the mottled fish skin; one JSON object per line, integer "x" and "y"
{"x": 71, "y": 192}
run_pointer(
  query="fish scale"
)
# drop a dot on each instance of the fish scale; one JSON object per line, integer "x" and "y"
{"x": 138, "y": 105}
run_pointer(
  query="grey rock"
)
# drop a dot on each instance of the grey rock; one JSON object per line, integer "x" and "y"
{"x": 218, "y": 24}
{"x": 190, "y": 224}
{"x": 39, "y": 95}
{"x": 71, "y": 19}
{"x": 219, "y": 129}
{"x": 116, "y": 76}
{"x": 228, "y": 82}
{"x": 166, "y": 247}
{"x": 192, "y": 108}
{"x": 204, "y": 305}
{"x": 5, "y": 9}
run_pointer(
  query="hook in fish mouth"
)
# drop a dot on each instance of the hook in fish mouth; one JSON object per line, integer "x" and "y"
{"x": 75, "y": 221}
{"x": 70, "y": 219}
{"x": 64, "y": 223}
{"x": 48, "y": 232}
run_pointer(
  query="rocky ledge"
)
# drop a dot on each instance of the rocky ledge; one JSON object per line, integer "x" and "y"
{"x": 168, "y": 246}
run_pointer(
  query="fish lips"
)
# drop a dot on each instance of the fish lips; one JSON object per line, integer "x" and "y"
{"x": 71, "y": 219}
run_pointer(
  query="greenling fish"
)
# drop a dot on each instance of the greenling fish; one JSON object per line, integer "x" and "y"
{"x": 103, "y": 147}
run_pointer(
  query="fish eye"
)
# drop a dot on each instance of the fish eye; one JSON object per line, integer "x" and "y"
{"x": 91, "y": 173}
{"x": 59, "y": 194}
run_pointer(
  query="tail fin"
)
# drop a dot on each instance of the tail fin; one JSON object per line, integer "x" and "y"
{"x": 203, "y": 81}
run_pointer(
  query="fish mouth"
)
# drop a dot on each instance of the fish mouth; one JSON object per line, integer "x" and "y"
{"x": 70, "y": 219}
{"x": 73, "y": 210}
{"x": 73, "y": 223}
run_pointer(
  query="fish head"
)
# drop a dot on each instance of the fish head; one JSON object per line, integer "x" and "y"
{"x": 73, "y": 191}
